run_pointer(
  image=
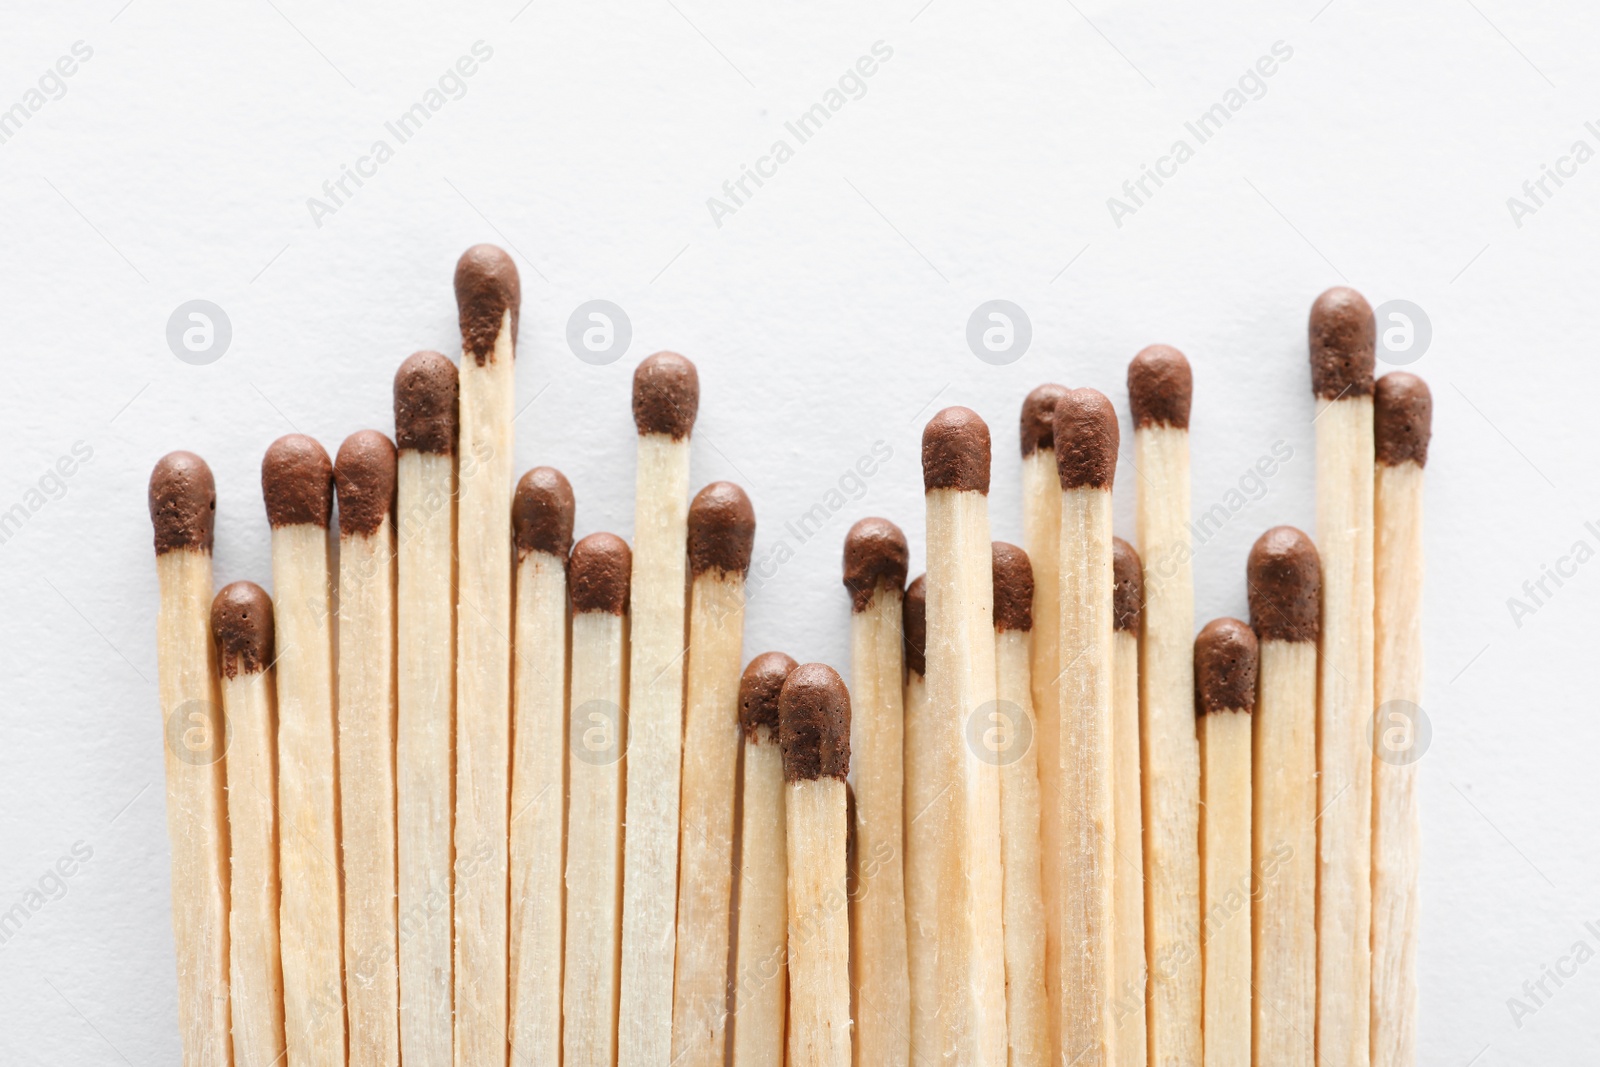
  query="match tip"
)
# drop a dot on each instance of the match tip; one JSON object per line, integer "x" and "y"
{"x": 759, "y": 689}
{"x": 297, "y": 482}
{"x": 1087, "y": 439}
{"x": 814, "y": 724}
{"x": 1402, "y": 419}
{"x": 541, "y": 513}
{"x": 363, "y": 475}
{"x": 487, "y": 286}
{"x": 598, "y": 574}
{"x": 1039, "y": 418}
{"x": 425, "y": 390}
{"x": 666, "y": 395}
{"x": 241, "y": 625}
{"x": 1285, "y": 586}
{"x": 875, "y": 554}
{"x": 183, "y": 503}
{"x": 955, "y": 451}
{"x": 1225, "y": 667}
{"x": 1127, "y": 590}
{"x": 914, "y": 625}
{"x": 1160, "y": 387}
{"x": 722, "y": 530}
{"x": 1013, "y": 588}
{"x": 1343, "y": 344}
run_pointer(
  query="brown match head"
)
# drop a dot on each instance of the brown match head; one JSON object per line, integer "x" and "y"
{"x": 875, "y": 554}
{"x": 1087, "y": 439}
{"x": 914, "y": 625}
{"x": 1284, "y": 577}
{"x": 297, "y": 482}
{"x": 759, "y": 689}
{"x": 1343, "y": 344}
{"x": 426, "y": 388}
{"x": 1013, "y": 588}
{"x": 722, "y": 530}
{"x": 666, "y": 395}
{"x": 183, "y": 503}
{"x": 1127, "y": 586}
{"x": 541, "y": 513}
{"x": 814, "y": 724}
{"x": 363, "y": 475}
{"x": 1039, "y": 418}
{"x": 955, "y": 452}
{"x": 1225, "y": 662}
{"x": 598, "y": 574}
{"x": 1402, "y": 419}
{"x": 1160, "y": 387}
{"x": 487, "y": 286}
{"x": 241, "y": 625}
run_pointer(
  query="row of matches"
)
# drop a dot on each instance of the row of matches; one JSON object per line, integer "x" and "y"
{"x": 514, "y": 800}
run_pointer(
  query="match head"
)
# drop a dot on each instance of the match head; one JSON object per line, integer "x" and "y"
{"x": 1127, "y": 587}
{"x": 914, "y": 625}
{"x": 241, "y": 625}
{"x": 363, "y": 475}
{"x": 1087, "y": 439}
{"x": 1343, "y": 344}
{"x": 955, "y": 451}
{"x": 666, "y": 395}
{"x": 183, "y": 503}
{"x": 722, "y": 530}
{"x": 487, "y": 286}
{"x": 759, "y": 689}
{"x": 1284, "y": 576}
{"x": 426, "y": 388}
{"x": 875, "y": 554}
{"x": 1402, "y": 419}
{"x": 297, "y": 482}
{"x": 598, "y": 574}
{"x": 1225, "y": 667}
{"x": 1013, "y": 588}
{"x": 1039, "y": 418}
{"x": 814, "y": 724}
{"x": 541, "y": 513}
{"x": 1160, "y": 387}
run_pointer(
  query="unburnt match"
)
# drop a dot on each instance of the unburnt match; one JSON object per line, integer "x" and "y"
{"x": 927, "y": 797}
{"x": 1127, "y": 603}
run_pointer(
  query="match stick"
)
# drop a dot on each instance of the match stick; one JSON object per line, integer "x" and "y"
{"x": 183, "y": 510}
{"x": 1285, "y": 582}
{"x": 1160, "y": 387}
{"x": 598, "y": 575}
{"x": 488, "y": 295}
{"x": 1225, "y": 697}
{"x": 541, "y": 522}
{"x": 666, "y": 397}
{"x": 241, "y": 623}
{"x": 1128, "y": 836}
{"x": 1086, "y": 460}
{"x": 722, "y": 530}
{"x": 761, "y": 987}
{"x": 364, "y": 476}
{"x": 1402, "y": 426}
{"x": 814, "y": 731}
{"x": 1027, "y": 1005}
{"x": 297, "y": 483}
{"x": 927, "y": 795}
{"x": 425, "y": 430}
{"x": 875, "y": 561}
{"x": 1342, "y": 335}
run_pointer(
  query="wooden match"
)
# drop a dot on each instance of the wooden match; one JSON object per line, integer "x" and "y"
{"x": 927, "y": 796}
{"x": 1128, "y": 1011}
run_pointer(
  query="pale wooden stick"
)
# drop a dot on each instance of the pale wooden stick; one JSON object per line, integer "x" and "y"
{"x": 927, "y": 796}
{"x": 1128, "y": 836}
{"x": 183, "y": 503}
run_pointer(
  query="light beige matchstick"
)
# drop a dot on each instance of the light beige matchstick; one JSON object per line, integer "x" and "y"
{"x": 1402, "y": 426}
{"x": 1128, "y": 1009}
{"x": 297, "y": 483}
{"x": 927, "y": 797}
{"x": 722, "y": 530}
{"x": 183, "y": 507}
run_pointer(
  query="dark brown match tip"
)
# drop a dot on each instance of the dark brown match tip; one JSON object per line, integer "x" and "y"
{"x": 759, "y": 689}
{"x": 183, "y": 503}
{"x": 241, "y": 624}
{"x": 297, "y": 482}
{"x": 1343, "y": 344}
{"x": 914, "y": 625}
{"x": 1127, "y": 589}
{"x": 722, "y": 530}
{"x": 814, "y": 724}
{"x": 875, "y": 554}
{"x": 955, "y": 451}
{"x": 1402, "y": 419}
{"x": 1225, "y": 661}
{"x": 1013, "y": 588}
{"x": 1160, "y": 387}
{"x": 541, "y": 513}
{"x": 1284, "y": 575}
{"x": 363, "y": 474}
{"x": 666, "y": 395}
{"x": 425, "y": 391}
{"x": 1087, "y": 439}
{"x": 598, "y": 574}
{"x": 1039, "y": 418}
{"x": 487, "y": 286}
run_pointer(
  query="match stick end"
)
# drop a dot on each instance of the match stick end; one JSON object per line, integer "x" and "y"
{"x": 722, "y": 530}
{"x": 542, "y": 512}
{"x": 598, "y": 574}
{"x": 1402, "y": 419}
{"x": 914, "y": 625}
{"x": 183, "y": 503}
{"x": 363, "y": 476}
{"x": 297, "y": 482}
{"x": 1087, "y": 439}
{"x": 759, "y": 689}
{"x": 1284, "y": 575}
{"x": 425, "y": 391}
{"x": 487, "y": 287}
{"x": 814, "y": 724}
{"x": 1343, "y": 344}
{"x": 1039, "y": 418}
{"x": 875, "y": 554}
{"x": 1127, "y": 593}
{"x": 666, "y": 395}
{"x": 1160, "y": 387}
{"x": 1013, "y": 588}
{"x": 1225, "y": 667}
{"x": 241, "y": 625}
{"x": 955, "y": 451}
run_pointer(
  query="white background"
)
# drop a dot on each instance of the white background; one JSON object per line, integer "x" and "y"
{"x": 826, "y": 314}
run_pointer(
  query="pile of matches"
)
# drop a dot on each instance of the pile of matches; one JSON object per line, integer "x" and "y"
{"x": 537, "y": 814}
